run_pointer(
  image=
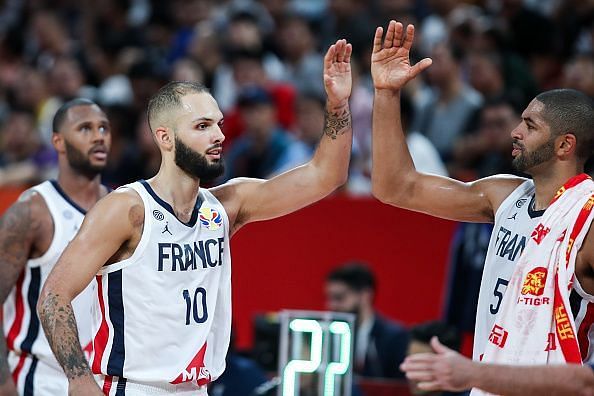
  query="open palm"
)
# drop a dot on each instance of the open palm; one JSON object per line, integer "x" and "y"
{"x": 337, "y": 72}
{"x": 390, "y": 62}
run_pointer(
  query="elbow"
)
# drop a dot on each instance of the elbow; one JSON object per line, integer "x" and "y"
{"x": 384, "y": 194}
{"x": 380, "y": 188}
{"x": 330, "y": 181}
{"x": 379, "y": 193}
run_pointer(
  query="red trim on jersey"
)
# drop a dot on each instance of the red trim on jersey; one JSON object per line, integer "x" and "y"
{"x": 18, "y": 368}
{"x": 574, "y": 181}
{"x": 584, "y": 329}
{"x": 19, "y": 310}
{"x": 100, "y": 339}
{"x": 107, "y": 384}
{"x": 568, "y": 340}
{"x": 195, "y": 370}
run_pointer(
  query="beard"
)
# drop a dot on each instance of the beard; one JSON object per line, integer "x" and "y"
{"x": 80, "y": 162}
{"x": 529, "y": 159}
{"x": 195, "y": 164}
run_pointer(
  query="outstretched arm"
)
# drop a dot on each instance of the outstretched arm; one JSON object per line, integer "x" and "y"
{"x": 249, "y": 200}
{"x": 447, "y": 370}
{"x": 106, "y": 228}
{"x": 394, "y": 178}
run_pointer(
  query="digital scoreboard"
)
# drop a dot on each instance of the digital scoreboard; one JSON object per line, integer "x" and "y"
{"x": 315, "y": 357}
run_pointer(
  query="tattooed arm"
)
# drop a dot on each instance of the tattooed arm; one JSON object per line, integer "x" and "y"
{"x": 110, "y": 231}
{"x": 247, "y": 200}
{"x": 21, "y": 237}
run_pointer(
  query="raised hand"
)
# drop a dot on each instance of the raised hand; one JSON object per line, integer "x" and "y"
{"x": 337, "y": 73}
{"x": 390, "y": 62}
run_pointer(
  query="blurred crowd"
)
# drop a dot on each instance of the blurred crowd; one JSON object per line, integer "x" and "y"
{"x": 262, "y": 61}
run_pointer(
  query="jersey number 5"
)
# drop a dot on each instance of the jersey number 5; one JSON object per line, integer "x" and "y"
{"x": 199, "y": 315}
{"x": 499, "y": 294}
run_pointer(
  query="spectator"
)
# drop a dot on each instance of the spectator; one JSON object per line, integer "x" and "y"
{"x": 579, "y": 74}
{"x": 485, "y": 73}
{"x": 297, "y": 46}
{"x": 452, "y": 105}
{"x": 487, "y": 152}
{"x": 23, "y": 158}
{"x": 248, "y": 71}
{"x": 310, "y": 124}
{"x": 262, "y": 147}
{"x": 380, "y": 344}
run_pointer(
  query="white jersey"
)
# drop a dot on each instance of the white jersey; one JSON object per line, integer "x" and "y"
{"x": 582, "y": 308}
{"x": 514, "y": 222}
{"x": 24, "y": 337}
{"x": 163, "y": 316}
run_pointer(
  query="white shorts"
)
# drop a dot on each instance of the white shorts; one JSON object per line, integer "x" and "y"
{"x": 115, "y": 386}
{"x": 34, "y": 377}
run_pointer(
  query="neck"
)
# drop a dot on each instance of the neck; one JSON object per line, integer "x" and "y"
{"x": 365, "y": 314}
{"x": 81, "y": 189}
{"x": 177, "y": 188}
{"x": 547, "y": 184}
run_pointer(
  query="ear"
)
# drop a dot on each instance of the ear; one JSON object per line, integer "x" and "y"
{"x": 566, "y": 145}
{"x": 58, "y": 142}
{"x": 165, "y": 138}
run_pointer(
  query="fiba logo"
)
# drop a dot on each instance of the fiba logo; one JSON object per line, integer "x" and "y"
{"x": 157, "y": 214}
{"x": 210, "y": 218}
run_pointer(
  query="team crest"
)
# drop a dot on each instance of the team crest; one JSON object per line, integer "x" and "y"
{"x": 210, "y": 218}
{"x": 535, "y": 282}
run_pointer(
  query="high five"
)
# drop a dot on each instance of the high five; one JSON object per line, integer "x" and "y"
{"x": 551, "y": 144}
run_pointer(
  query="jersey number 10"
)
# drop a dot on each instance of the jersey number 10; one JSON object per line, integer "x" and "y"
{"x": 193, "y": 310}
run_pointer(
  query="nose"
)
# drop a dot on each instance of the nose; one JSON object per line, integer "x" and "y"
{"x": 99, "y": 135}
{"x": 516, "y": 133}
{"x": 218, "y": 135}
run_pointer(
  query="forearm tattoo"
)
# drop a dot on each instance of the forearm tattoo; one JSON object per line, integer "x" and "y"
{"x": 59, "y": 324}
{"x": 337, "y": 122}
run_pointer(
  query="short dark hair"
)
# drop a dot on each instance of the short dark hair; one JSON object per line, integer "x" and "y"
{"x": 60, "y": 115}
{"x": 570, "y": 111}
{"x": 448, "y": 335}
{"x": 168, "y": 98}
{"x": 355, "y": 275}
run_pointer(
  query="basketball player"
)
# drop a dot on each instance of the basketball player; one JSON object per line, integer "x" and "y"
{"x": 551, "y": 144}
{"x": 159, "y": 249}
{"x": 33, "y": 233}
{"x": 447, "y": 370}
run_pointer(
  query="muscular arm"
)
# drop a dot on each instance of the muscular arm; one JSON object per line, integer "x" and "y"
{"x": 111, "y": 223}
{"x": 449, "y": 371}
{"x": 250, "y": 200}
{"x": 394, "y": 178}
{"x": 257, "y": 199}
{"x": 19, "y": 230}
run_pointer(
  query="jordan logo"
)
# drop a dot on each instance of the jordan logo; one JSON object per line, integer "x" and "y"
{"x": 166, "y": 229}
{"x": 512, "y": 217}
